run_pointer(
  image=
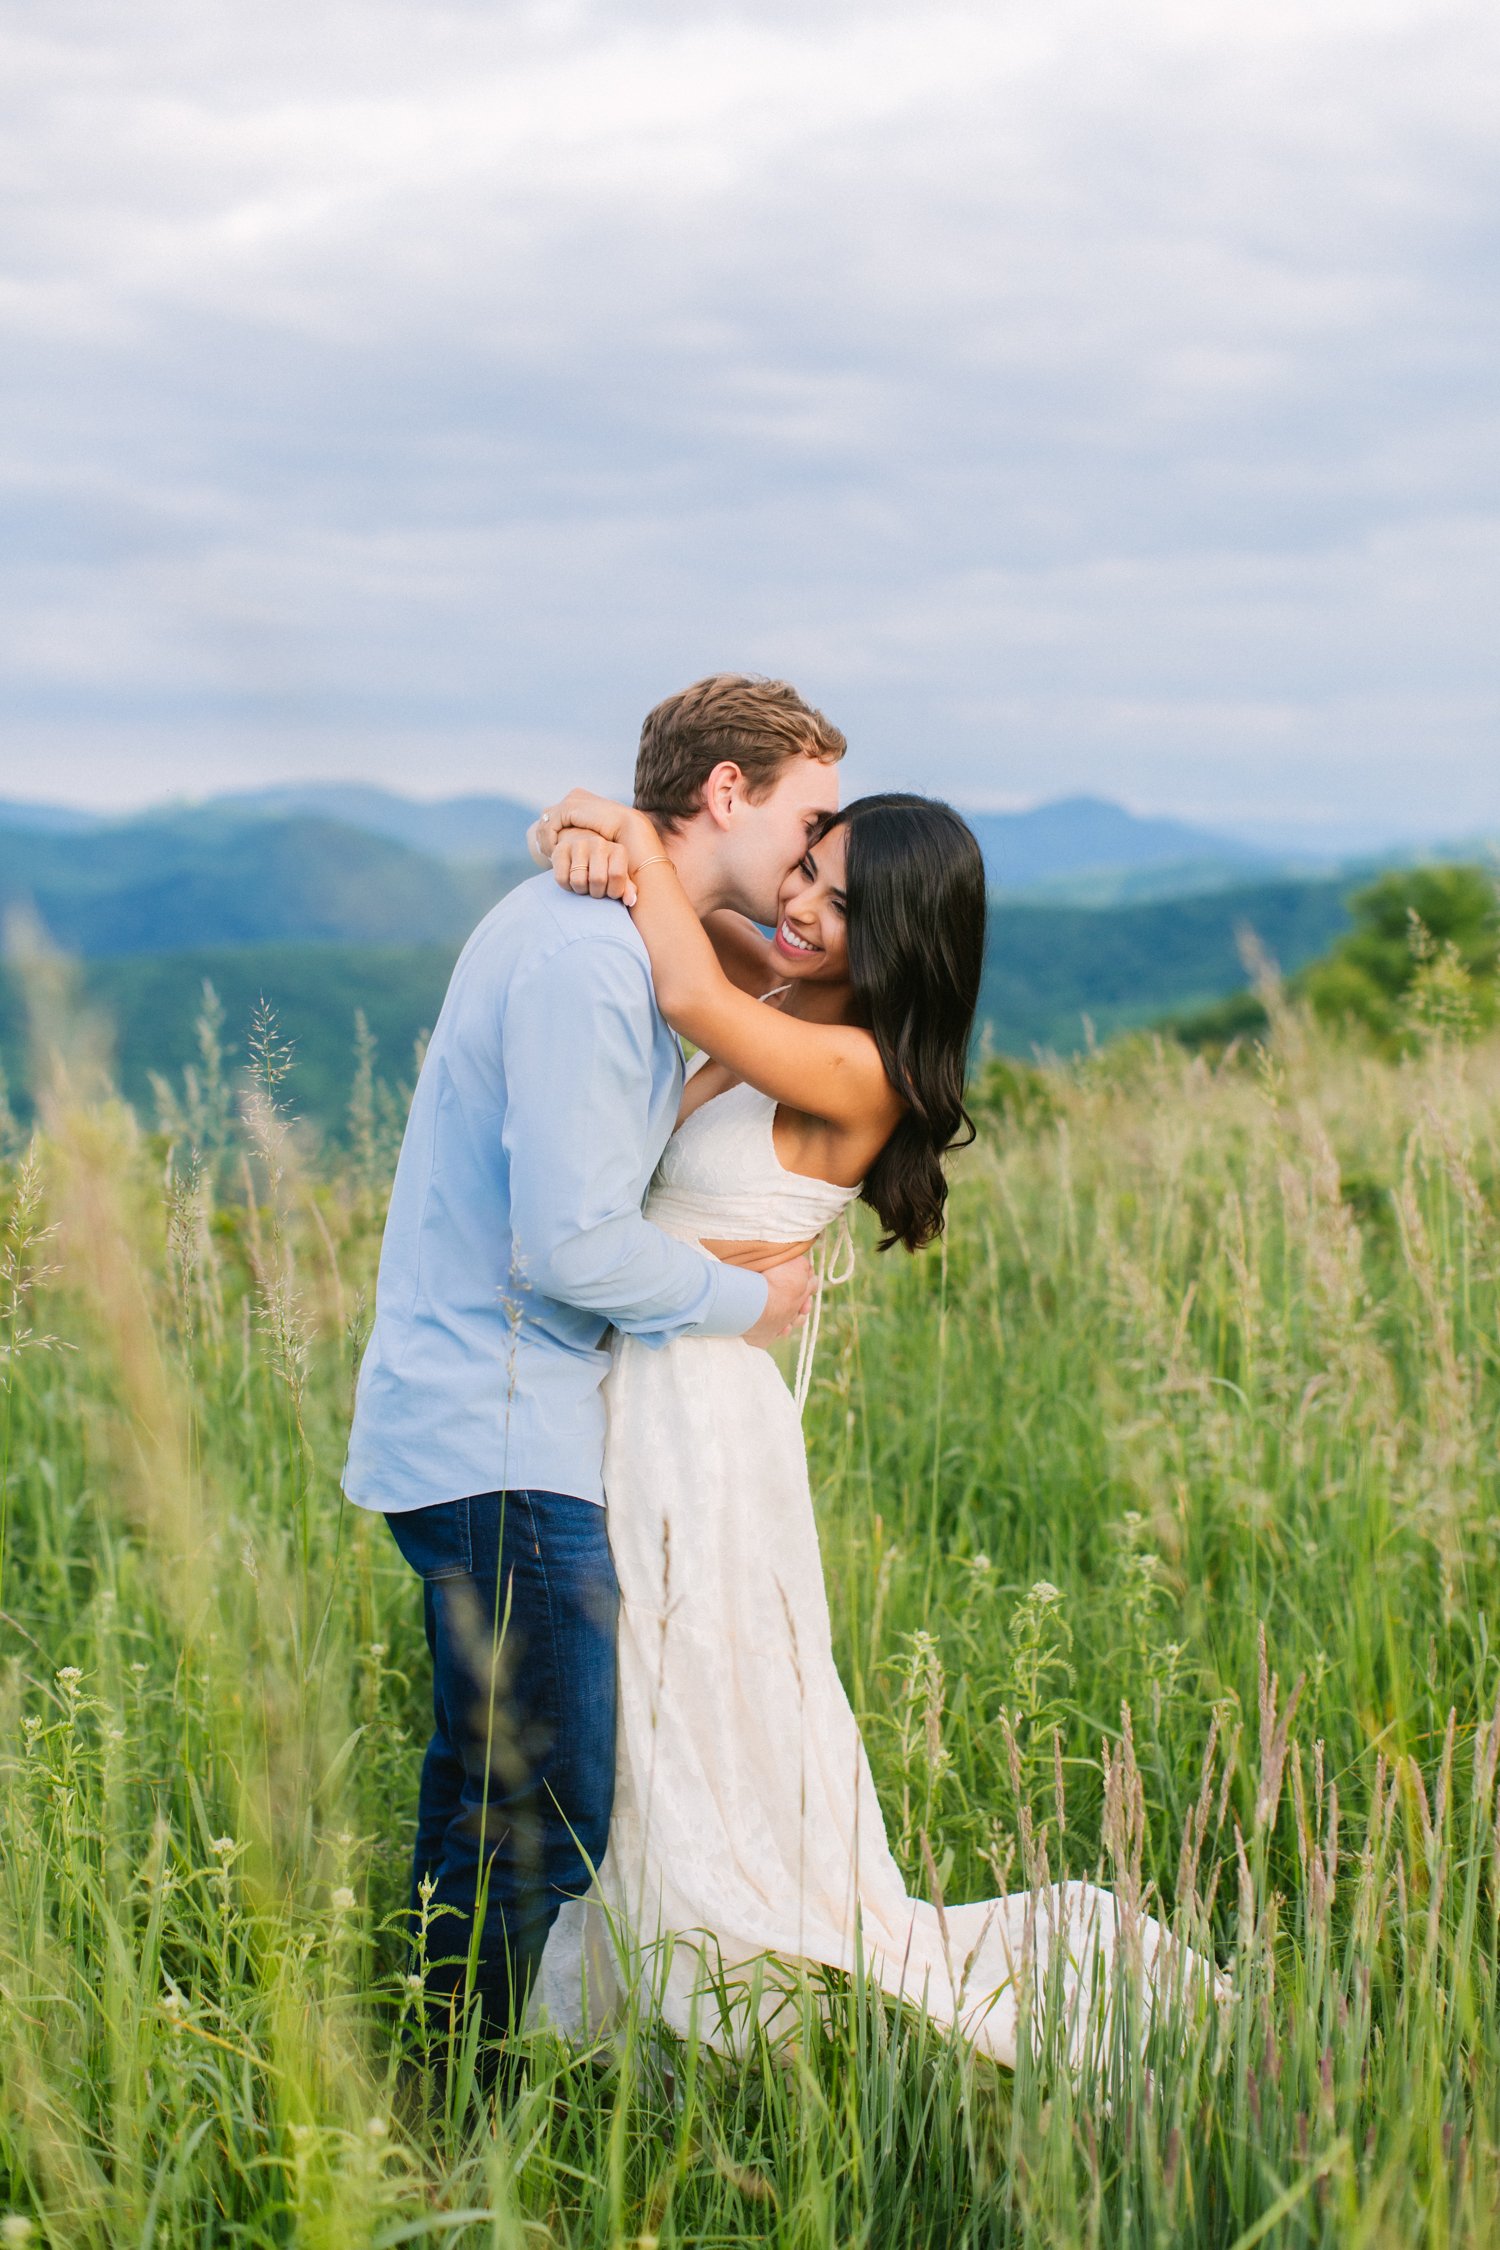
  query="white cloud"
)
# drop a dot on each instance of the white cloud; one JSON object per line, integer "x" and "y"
{"x": 1066, "y": 397}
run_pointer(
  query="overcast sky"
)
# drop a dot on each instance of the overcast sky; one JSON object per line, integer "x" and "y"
{"x": 1066, "y": 396}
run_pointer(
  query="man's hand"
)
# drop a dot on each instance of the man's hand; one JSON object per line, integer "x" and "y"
{"x": 790, "y": 1288}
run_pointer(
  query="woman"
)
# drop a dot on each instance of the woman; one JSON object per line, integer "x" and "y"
{"x": 746, "y": 1829}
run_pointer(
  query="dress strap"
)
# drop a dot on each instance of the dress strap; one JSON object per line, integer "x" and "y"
{"x": 833, "y": 1266}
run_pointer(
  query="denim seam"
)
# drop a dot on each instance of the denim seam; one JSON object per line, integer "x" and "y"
{"x": 557, "y": 1664}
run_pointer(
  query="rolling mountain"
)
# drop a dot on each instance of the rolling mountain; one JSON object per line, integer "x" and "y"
{"x": 327, "y": 866}
{"x": 1051, "y": 973}
{"x": 1076, "y": 838}
{"x": 453, "y": 828}
{"x": 46, "y": 820}
{"x": 211, "y": 879}
{"x": 150, "y": 1005}
{"x": 1082, "y": 850}
{"x": 327, "y": 900}
{"x": 325, "y": 916}
{"x": 1073, "y": 839}
{"x": 1048, "y": 968}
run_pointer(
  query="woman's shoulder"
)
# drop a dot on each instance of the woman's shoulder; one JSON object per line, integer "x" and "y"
{"x": 743, "y": 950}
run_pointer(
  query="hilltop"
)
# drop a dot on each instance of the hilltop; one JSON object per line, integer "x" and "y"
{"x": 327, "y": 900}
{"x": 1077, "y": 849}
{"x": 190, "y": 880}
{"x": 1053, "y": 976}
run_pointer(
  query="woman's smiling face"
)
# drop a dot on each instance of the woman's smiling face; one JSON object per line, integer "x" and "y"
{"x": 811, "y": 941}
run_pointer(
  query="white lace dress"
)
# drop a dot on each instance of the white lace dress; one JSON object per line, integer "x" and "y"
{"x": 746, "y": 1829}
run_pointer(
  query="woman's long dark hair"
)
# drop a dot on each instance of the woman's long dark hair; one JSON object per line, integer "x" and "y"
{"x": 914, "y": 910}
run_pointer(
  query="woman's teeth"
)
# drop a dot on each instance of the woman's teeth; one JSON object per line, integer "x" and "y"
{"x": 793, "y": 943}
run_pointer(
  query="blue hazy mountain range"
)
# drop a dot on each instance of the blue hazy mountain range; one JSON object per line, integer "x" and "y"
{"x": 327, "y": 900}
{"x": 214, "y": 878}
{"x": 1075, "y": 838}
{"x": 46, "y": 820}
{"x": 1081, "y": 850}
{"x": 1055, "y": 976}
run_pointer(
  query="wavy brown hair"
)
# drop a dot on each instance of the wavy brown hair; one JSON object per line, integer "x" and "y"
{"x": 757, "y": 724}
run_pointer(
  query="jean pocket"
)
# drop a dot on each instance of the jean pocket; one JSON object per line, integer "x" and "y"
{"x": 438, "y": 1542}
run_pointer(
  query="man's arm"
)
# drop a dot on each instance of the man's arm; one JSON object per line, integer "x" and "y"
{"x": 578, "y": 1035}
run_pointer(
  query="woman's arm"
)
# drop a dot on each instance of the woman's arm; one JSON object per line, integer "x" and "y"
{"x": 744, "y": 953}
{"x": 829, "y": 1071}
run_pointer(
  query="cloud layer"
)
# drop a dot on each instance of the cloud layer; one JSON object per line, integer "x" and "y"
{"x": 1066, "y": 397}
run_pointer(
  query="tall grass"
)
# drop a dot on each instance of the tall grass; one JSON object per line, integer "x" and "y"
{"x": 1159, "y": 1520}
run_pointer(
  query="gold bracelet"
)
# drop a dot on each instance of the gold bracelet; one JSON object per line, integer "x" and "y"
{"x": 657, "y": 859}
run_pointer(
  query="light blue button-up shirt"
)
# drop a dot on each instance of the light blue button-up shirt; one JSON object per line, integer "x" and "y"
{"x": 514, "y": 1239}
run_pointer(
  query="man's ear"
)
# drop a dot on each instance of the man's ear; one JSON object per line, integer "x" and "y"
{"x": 721, "y": 790}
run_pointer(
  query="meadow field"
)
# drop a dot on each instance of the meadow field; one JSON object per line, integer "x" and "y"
{"x": 1161, "y": 1523}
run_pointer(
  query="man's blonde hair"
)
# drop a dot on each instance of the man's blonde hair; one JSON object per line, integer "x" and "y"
{"x": 758, "y": 725}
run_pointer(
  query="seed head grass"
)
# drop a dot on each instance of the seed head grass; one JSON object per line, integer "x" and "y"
{"x": 1160, "y": 1515}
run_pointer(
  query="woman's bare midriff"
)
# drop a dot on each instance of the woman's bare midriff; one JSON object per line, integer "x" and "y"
{"x": 758, "y": 1257}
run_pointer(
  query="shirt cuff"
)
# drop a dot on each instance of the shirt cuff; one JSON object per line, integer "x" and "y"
{"x": 738, "y": 1300}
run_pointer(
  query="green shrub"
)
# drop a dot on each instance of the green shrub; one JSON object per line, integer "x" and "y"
{"x": 1424, "y": 954}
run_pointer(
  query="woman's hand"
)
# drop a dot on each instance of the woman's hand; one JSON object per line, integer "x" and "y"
{"x": 585, "y": 863}
{"x": 584, "y": 808}
{"x": 593, "y": 844}
{"x": 615, "y": 823}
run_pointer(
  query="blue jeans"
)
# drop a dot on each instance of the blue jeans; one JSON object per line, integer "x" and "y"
{"x": 521, "y": 1601}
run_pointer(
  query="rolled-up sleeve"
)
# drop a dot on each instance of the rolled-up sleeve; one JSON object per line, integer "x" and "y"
{"x": 577, "y": 1034}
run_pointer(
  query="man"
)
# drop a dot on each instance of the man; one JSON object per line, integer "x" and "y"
{"x": 514, "y": 1242}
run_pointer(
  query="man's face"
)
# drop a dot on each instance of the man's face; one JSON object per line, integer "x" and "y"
{"x": 769, "y": 836}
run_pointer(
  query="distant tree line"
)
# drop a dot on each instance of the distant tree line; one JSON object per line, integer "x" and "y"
{"x": 1422, "y": 953}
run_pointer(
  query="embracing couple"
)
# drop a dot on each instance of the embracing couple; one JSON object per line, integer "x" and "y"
{"x": 642, "y": 1750}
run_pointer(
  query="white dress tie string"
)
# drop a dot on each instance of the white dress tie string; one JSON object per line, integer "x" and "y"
{"x": 833, "y": 1266}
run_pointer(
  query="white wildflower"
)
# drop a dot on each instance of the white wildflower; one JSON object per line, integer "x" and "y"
{"x": 343, "y": 1900}
{"x": 1044, "y": 1593}
{"x": 16, "y": 2229}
